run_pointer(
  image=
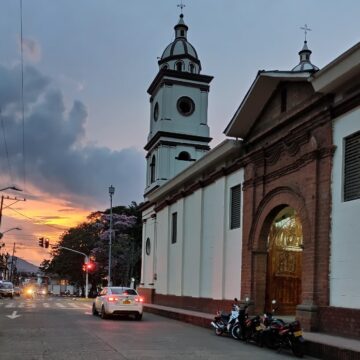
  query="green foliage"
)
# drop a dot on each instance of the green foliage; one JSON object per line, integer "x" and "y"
{"x": 92, "y": 238}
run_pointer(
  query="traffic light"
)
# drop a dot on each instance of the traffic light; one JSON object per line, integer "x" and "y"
{"x": 41, "y": 242}
{"x": 46, "y": 243}
{"x": 89, "y": 266}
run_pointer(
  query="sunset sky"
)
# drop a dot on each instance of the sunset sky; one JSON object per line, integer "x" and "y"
{"x": 87, "y": 66}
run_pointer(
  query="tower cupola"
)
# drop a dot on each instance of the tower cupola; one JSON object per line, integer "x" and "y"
{"x": 305, "y": 63}
{"x": 180, "y": 55}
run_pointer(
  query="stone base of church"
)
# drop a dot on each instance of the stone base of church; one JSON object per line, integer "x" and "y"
{"x": 308, "y": 317}
{"x": 340, "y": 321}
{"x": 205, "y": 305}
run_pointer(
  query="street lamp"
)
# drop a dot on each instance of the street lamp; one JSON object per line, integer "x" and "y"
{"x": 14, "y": 228}
{"x": 111, "y": 193}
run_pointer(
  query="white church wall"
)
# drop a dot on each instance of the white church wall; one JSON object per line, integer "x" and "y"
{"x": 162, "y": 232}
{"x": 176, "y": 250}
{"x": 345, "y": 229}
{"x": 147, "y": 266}
{"x": 233, "y": 242}
{"x": 192, "y": 244}
{"x": 212, "y": 241}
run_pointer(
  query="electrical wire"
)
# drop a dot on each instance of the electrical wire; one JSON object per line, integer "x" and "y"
{"x": 37, "y": 221}
{"x": 22, "y": 94}
{"x": 6, "y": 147}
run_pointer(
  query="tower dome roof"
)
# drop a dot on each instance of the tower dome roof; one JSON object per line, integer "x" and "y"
{"x": 305, "y": 63}
{"x": 180, "y": 48}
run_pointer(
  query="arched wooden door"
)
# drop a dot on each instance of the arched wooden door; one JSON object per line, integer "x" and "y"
{"x": 284, "y": 265}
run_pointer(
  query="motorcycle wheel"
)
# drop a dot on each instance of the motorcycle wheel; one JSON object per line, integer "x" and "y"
{"x": 297, "y": 349}
{"x": 236, "y": 332}
{"x": 218, "y": 332}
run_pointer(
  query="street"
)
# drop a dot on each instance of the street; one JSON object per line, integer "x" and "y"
{"x": 64, "y": 328}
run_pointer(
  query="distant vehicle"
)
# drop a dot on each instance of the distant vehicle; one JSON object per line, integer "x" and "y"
{"x": 118, "y": 301}
{"x": 42, "y": 291}
{"x": 17, "y": 291}
{"x": 29, "y": 292}
{"x": 6, "y": 289}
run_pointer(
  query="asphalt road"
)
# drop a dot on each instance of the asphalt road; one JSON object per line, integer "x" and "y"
{"x": 63, "y": 328}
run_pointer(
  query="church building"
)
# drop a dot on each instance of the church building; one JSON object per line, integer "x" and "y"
{"x": 271, "y": 212}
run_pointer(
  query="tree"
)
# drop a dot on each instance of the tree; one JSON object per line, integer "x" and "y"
{"x": 92, "y": 237}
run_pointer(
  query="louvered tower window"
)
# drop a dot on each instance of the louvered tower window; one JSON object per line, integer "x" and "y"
{"x": 352, "y": 167}
{"x": 235, "y": 203}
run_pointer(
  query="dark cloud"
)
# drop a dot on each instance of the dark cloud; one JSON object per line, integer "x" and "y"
{"x": 57, "y": 161}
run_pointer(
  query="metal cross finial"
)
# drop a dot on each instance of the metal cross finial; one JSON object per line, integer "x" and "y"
{"x": 181, "y": 6}
{"x": 306, "y": 29}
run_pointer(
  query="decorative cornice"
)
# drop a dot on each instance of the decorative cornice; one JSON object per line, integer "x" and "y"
{"x": 294, "y": 166}
{"x": 178, "y": 143}
{"x": 205, "y": 79}
{"x": 160, "y": 134}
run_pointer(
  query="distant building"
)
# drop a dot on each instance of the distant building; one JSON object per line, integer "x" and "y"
{"x": 271, "y": 214}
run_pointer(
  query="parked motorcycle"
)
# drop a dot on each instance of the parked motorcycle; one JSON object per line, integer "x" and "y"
{"x": 224, "y": 322}
{"x": 246, "y": 328}
{"x": 278, "y": 334}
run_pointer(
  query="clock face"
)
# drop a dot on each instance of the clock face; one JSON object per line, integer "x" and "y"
{"x": 156, "y": 111}
{"x": 185, "y": 106}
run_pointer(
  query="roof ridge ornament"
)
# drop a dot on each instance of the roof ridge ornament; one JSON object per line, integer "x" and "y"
{"x": 305, "y": 62}
{"x": 181, "y": 6}
{"x": 306, "y": 29}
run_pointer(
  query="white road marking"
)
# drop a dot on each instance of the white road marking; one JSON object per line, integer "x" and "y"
{"x": 13, "y": 316}
{"x": 60, "y": 305}
{"x": 11, "y": 305}
{"x": 76, "y": 306}
{"x": 46, "y": 305}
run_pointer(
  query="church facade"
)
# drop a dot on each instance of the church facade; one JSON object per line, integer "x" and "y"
{"x": 272, "y": 211}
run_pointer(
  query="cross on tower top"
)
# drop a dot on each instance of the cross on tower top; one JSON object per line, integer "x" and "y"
{"x": 181, "y": 6}
{"x": 306, "y": 29}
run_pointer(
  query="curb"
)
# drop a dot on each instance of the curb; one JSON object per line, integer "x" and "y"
{"x": 314, "y": 349}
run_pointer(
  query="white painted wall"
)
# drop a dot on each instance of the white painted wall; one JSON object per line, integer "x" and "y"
{"x": 148, "y": 261}
{"x": 345, "y": 229}
{"x": 206, "y": 259}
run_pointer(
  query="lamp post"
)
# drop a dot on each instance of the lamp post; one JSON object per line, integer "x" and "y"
{"x": 111, "y": 193}
{"x": 14, "y": 228}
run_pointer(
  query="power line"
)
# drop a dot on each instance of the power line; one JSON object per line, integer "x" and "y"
{"x": 22, "y": 93}
{"x": 36, "y": 220}
{"x": 6, "y": 147}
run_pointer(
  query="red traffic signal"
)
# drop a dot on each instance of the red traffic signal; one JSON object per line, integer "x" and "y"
{"x": 41, "y": 242}
{"x": 90, "y": 266}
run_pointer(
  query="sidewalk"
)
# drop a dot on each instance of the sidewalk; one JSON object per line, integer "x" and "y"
{"x": 322, "y": 346}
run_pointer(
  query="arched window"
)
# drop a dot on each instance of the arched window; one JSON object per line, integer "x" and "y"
{"x": 164, "y": 67}
{"x": 152, "y": 169}
{"x": 179, "y": 66}
{"x": 192, "y": 68}
{"x": 184, "y": 156}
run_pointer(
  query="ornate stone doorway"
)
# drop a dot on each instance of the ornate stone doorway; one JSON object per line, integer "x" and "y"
{"x": 284, "y": 265}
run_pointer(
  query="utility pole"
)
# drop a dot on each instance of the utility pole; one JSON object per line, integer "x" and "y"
{"x": 14, "y": 199}
{"x": 12, "y": 264}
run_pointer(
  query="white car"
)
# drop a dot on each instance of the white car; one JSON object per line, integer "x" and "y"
{"x": 117, "y": 300}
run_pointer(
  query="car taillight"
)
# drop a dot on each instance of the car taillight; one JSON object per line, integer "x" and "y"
{"x": 112, "y": 299}
{"x": 139, "y": 299}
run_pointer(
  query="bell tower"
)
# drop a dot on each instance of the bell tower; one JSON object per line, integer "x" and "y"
{"x": 179, "y": 133}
